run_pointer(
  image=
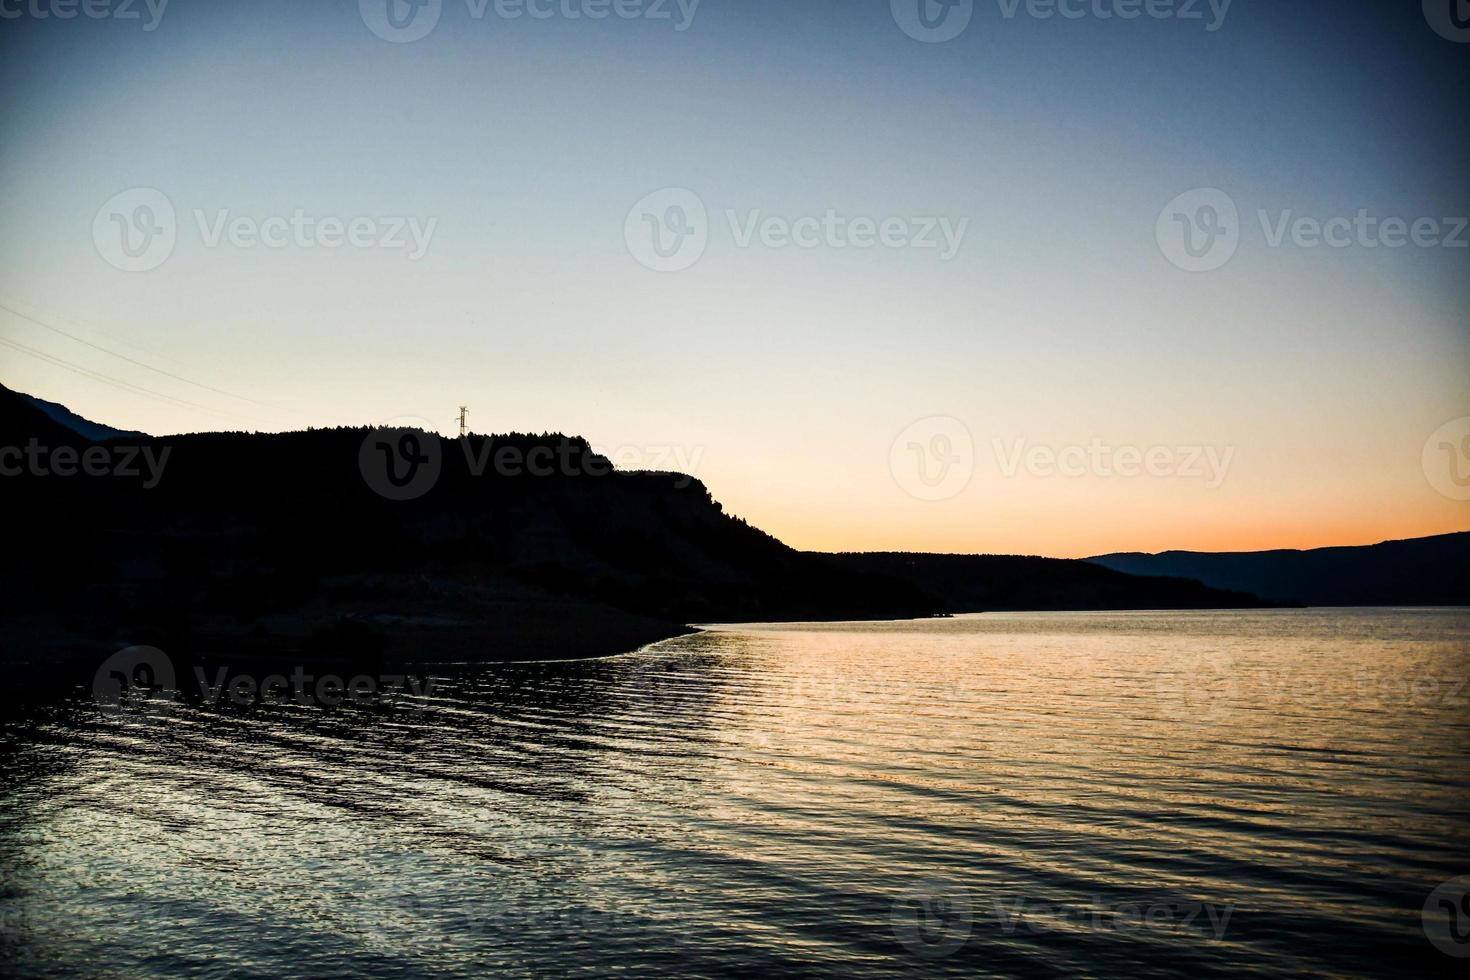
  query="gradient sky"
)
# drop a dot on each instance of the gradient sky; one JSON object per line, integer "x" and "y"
{"x": 786, "y": 373}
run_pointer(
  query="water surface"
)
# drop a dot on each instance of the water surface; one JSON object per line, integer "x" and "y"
{"x": 1130, "y": 794}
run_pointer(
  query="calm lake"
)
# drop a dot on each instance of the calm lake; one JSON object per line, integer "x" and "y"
{"x": 1119, "y": 794}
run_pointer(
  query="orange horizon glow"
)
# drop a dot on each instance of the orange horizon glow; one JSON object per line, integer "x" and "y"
{"x": 837, "y": 489}
{"x": 1149, "y": 541}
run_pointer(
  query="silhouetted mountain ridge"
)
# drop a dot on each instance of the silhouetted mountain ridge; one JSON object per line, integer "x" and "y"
{"x": 86, "y": 428}
{"x": 965, "y": 583}
{"x": 1430, "y": 571}
{"x": 263, "y": 540}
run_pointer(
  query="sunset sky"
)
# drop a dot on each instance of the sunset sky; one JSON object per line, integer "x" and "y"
{"x": 799, "y": 383}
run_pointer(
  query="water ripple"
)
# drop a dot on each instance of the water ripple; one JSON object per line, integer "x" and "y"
{"x": 1227, "y": 794}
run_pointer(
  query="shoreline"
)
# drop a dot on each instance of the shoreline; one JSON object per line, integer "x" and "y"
{"x": 44, "y": 662}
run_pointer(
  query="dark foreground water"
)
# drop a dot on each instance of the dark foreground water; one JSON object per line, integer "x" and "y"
{"x": 1217, "y": 794}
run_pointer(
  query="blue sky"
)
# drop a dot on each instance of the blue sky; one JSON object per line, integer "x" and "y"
{"x": 791, "y": 371}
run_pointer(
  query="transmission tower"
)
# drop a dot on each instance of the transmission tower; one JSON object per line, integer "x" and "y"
{"x": 462, "y": 410}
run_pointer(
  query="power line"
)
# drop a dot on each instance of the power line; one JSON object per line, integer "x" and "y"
{"x": 127, "y": 386}
{"x": 149, "y": 367}
{"x": 92, "y": 330}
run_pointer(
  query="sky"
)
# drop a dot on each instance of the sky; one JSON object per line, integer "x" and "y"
{"x": 965, "y": 279}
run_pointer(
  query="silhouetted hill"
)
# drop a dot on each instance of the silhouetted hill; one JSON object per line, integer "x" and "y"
{"x": 964, "y": 583}
{"x": 21, "y": 419}
{"x": 1433, "y": 571}
{"x": 86, "y": 428}
{"x": 271, "y": 542}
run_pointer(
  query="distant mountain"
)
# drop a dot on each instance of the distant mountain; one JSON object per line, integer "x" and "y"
{"x": 86, "y": 428}
{"x": 1433, "y": 571}
{"x": 277, "y": 542}
{"x": 965, "y": 583}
